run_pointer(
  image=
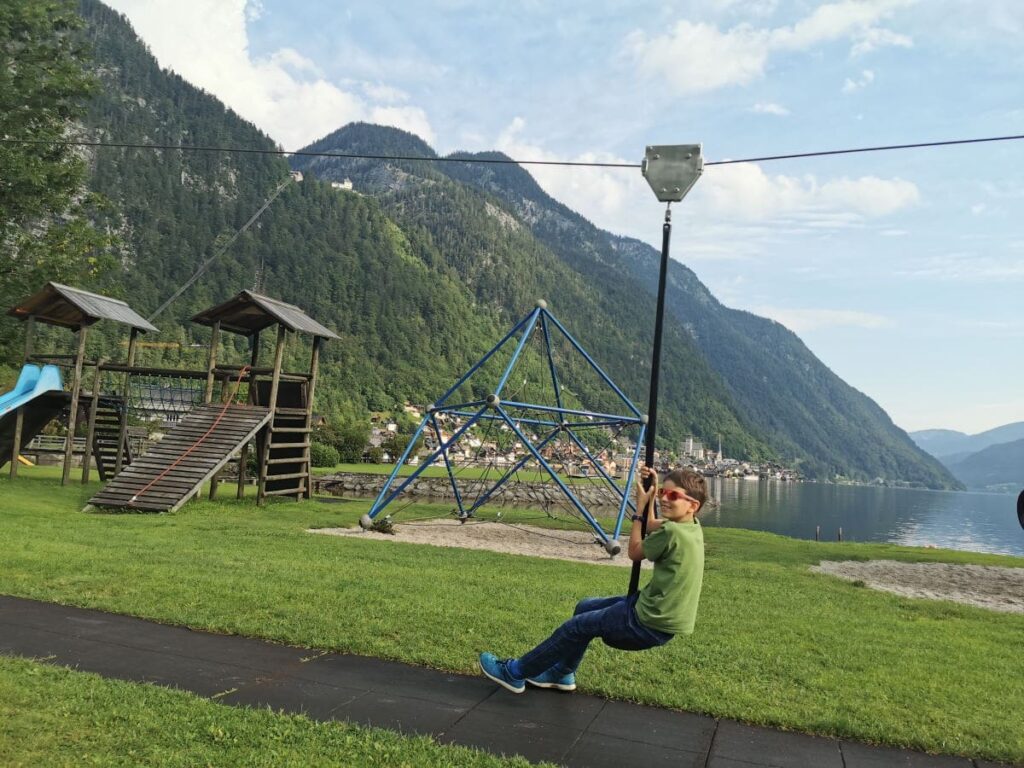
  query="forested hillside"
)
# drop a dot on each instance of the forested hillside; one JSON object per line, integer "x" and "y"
{"x": 781, "y": 391}
{"x": 506, "y": 267}
{"x": 426, "y": 266}
{"x": 998, "y": 467}
{"x": 404, "y": 325}
{"x": 416, "y": 304}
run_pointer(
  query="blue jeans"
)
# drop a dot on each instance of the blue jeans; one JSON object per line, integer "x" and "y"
{"x": 613, "y": 619}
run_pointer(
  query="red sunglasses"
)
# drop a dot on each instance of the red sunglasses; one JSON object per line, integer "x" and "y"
{"x": 671, "y": 494}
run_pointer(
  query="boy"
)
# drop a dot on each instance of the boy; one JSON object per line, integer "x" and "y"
{"x": 666, "y": 607}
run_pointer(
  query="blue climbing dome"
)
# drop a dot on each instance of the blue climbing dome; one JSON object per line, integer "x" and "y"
{"x": 533, "y": 425}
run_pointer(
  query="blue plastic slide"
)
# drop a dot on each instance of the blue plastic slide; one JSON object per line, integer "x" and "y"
{"x": 32, "y": 383}
{"x": 26, "y": 383}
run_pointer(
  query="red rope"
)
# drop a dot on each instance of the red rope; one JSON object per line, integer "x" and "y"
{"x": 238, "y": 382}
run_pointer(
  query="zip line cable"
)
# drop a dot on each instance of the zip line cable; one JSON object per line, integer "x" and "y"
{"x": 343, "y": 155}
{"x": 203, "y": 267}
{"x": 867, "y": 149}
{"x": 496, "y": 161}
{"x": 478, "y": 160}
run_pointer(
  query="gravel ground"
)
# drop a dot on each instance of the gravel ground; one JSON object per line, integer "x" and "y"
{"x": 509, "y": 538}
{"x": 986, "y": 586}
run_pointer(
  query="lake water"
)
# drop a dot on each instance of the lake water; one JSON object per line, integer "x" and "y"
{"x": 978, "y": 522}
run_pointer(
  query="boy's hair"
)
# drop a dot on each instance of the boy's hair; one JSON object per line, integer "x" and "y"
{"x": 691, "y": 482}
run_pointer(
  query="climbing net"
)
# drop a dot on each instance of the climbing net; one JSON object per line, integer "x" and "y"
{"x": 163, "y": 397}
{"x": 529, "y": 430}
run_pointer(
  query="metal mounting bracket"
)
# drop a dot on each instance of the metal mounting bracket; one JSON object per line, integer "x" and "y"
{"x": 672, "y": 170}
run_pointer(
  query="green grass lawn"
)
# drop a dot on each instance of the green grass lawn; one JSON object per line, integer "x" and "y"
{"x": 775, "y": 644}
{"x": 55, "y": 716}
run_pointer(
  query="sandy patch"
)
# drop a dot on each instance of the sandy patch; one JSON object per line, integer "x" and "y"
{"x": 986, "y": 586}
{"x": 508, "y": 538}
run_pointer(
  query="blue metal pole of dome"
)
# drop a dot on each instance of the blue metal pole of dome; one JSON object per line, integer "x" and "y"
{"x": 671, "y": 171}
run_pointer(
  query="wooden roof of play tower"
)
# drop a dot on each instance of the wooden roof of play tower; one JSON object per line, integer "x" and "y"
{"x": 74, "y": 308}
{"x": 249, "y": 312}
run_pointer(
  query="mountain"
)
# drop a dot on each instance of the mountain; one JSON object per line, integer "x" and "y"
{"x": 806, "y": 411}
{"x": 998, "y": 467}
{"x": 949, "y": 445}
{"x": 428, "y": 267}
{"x": 991, "y": 460}
{"x": 505, "y": 266}
{"x": 338, "y": 256}
{"x": 940, "y": 442}
{"x": 779, "y": 389}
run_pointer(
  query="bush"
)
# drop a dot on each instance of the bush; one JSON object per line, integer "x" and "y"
{"x": 321, "y": 455}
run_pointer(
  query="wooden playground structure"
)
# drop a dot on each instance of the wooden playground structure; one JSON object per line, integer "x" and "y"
{"x": 239, "y": 405}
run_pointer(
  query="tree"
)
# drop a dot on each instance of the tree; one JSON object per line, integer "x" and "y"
{"x": 45, "y": 214}
{"x": 395, "y": 445}
{"x": 351, "y": 441}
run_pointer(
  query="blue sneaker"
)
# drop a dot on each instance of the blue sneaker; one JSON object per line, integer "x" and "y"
{"x": 554, "y": 679}
{"x": 496, "y": 670}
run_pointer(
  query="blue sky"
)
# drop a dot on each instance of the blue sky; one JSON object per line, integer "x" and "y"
{"x": 901, "y": 271}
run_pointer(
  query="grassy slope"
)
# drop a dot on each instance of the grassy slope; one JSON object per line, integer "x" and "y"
{"x": 775, "y": 644}
{"x": 54, "y": 716}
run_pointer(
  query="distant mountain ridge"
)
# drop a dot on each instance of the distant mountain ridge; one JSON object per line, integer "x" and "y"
{"x": 997, "y": 467}
{"x": 780, "y": 390}
{"x": 781, "y": 387}
{"x": 989, "y": 460}
{"x": 943, "y": 443}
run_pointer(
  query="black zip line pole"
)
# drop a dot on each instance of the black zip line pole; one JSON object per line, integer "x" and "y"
{"x": 652, "y": 407}
{"x": 671, "y": 170}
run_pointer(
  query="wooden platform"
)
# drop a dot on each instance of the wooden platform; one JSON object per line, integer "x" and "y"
{"x": 210, "y": 451}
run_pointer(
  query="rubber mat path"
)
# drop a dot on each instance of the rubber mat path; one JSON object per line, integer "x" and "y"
{"x": 568, "y": 729}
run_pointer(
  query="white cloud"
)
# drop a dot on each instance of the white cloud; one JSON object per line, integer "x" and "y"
{"x": 804, "y": 320}
{"x": 290, "y": 59}
{"x": 696, "y": 57}
{"x": 742, "y": 8}
{"x": 879, "y": 38}
{"x": 965, "y": 268}
{"x": 412, "y": 119}
{"x": 769, "y": 108}
{"x": 734, "y": 213}
{"x": 607, "y": 196}
{"x": 867, "y": 77}
{"x": 385, "y": 94}
{"x": 744, "y": 191}
{"x": 285, "y": 93}
{"x": 869, "y": 195}
{"x": 987, "y": 25}
{"x": 834, "y": 21}
{"x": 254, "y": 10}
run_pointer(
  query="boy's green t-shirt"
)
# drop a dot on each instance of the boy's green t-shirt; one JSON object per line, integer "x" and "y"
{"x": 669, "y": 601}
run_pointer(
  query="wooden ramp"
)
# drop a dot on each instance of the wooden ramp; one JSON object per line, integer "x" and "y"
{"x": 199, "y": 446}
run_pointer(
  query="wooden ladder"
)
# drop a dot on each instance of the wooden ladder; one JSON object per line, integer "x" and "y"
{"x": 286, "y": 469}
{"x": 105, "y": 438}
